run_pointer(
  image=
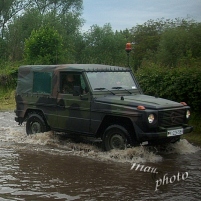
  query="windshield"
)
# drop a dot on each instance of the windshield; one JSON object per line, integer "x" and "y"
{"x": 111, "y": 80}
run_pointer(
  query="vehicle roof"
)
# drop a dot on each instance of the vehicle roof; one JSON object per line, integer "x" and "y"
{"x": 26, "y": 73}
{"x": 77, "y": 67}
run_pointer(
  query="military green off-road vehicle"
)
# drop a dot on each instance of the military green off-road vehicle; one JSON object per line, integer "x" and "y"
{"x": 98, "y": 101}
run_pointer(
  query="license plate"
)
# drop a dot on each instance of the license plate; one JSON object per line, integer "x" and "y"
{"x": 171, "y": 133}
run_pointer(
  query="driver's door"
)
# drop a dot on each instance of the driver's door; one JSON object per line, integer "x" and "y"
{"x": 73, "y": 111}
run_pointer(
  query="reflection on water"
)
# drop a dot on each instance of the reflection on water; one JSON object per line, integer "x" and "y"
{"x": 51, "y": 167}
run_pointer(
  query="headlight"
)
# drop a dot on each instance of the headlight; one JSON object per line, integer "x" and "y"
{"x": 188, "y": 114}
{"x": 151, "y": 118}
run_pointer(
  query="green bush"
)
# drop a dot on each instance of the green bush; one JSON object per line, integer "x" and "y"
{"x": 44, "y": 46}
{"x": 182, "y": 84}
{"x": 8, "y": 77}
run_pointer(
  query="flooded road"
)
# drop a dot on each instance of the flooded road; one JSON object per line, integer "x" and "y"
{"x": 52, "y": 167}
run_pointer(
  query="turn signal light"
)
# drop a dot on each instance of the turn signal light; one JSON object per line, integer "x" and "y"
{"x": 141, "y": 107}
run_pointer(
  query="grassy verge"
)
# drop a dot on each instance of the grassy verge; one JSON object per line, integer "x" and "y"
{"x": 195, "y": 136}
{"x": 7, "y": 100}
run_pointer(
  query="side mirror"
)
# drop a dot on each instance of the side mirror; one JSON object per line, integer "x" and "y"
{"x": 76, "y": 91}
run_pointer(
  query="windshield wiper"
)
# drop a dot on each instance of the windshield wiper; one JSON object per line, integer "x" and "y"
{"x": 102, "y": 88}
{"x": 122, "y": 88}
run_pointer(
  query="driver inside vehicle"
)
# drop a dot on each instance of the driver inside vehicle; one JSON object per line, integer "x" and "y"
{"x": 69, "y": 83}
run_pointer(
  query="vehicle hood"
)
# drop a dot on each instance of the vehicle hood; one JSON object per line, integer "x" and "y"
{"x": 149, "y": 102}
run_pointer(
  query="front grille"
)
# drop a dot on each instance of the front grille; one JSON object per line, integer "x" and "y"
{"x": 170, "y": 118}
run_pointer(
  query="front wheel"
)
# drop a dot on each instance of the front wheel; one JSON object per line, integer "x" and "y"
{"x": 35, "y": 124}
{"x": 115, "y": 137}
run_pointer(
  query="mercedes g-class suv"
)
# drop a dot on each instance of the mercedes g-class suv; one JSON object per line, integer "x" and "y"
{"x": 98, "y": 101}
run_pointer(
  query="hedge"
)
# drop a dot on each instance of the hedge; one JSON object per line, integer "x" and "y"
{"x": 179, "y": 84}
{"x": 8, "y": 79}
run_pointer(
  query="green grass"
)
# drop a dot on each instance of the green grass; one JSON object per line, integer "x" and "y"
{"x": 7, "y": 100}
{"x": 195, "y": 136}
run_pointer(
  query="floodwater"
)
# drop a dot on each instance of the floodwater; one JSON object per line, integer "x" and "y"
{"x": 49, "y": 166}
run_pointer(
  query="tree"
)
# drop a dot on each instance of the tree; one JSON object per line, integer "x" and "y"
{"x": 102, "y": 45}
{"x": 180, "y": 45}
{"x": 168, "y": 42}
{"x": 3, "y": 55}
{"x": 57, "y": 6}
{"x": 68, "y": 26}
{"x": 145, "y": 39}
{"x": 8, "y": 9}
{"x": 19, "y": 30}
{"x": 172, "y": 46}
{"x": 195, "y": 39}
{"x": 65, "y": 18}
{"x": 44, "y": 47}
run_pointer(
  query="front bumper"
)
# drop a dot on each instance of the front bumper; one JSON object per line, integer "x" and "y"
{"x": 19, "y": 120}
{"x": 161, "y": 136}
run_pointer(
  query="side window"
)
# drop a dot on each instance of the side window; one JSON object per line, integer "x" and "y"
{"x": 67, "y": 83}
{"x": 69, "y": 80}
{"x": 83, "y": 84}
{"x": 42, "y": 82}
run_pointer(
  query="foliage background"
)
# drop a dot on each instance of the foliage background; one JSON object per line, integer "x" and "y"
{"x": 165, "y": 56}
{"x": 182, "y": 84}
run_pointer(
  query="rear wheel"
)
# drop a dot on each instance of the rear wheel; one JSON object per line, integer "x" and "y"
{"x": 35, "y": 124}
{"x": 115, "y": 137}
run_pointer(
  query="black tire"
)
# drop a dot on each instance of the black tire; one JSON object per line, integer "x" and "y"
{"x": 115, "y": 137}
{"x": 35, "y": 124}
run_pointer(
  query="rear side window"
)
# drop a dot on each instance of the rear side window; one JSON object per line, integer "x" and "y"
{"x": 42, "y": 82}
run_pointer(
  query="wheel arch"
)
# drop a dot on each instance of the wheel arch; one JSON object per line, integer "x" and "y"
{"x": 36, "y": 124}
{"x": 36, "y": 111}
{"x": 125, "y": 122}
